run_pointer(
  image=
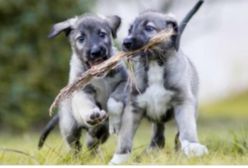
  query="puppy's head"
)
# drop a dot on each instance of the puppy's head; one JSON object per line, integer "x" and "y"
{"x": 145, "y": 26}
{"x": 90, "y": 36}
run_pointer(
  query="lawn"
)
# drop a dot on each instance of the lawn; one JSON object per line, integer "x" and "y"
{"x": 224, "y": 132}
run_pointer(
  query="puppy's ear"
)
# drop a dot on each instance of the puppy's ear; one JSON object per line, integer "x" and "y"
{"x": 172, "y": 23}
{"x": 65, "y": 26}
{"x": 114, "y": 23}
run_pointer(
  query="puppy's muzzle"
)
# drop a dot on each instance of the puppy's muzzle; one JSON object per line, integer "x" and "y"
{"x": 97, "y": 55}
{"x": 128, "y": 43}
{"x": 97, "y": 52}
{"x": 132, "y": 43}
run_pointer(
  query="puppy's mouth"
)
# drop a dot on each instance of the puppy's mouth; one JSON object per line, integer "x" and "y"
{"x": 134, "y": 46}
{"x": 96, "y": 61}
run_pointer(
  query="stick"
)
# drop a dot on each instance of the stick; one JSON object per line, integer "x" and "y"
{"x": 106, "y": 66}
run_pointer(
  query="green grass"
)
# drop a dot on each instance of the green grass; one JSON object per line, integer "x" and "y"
{"x": 227, "y": 142}
{"x": 222, "y": 126}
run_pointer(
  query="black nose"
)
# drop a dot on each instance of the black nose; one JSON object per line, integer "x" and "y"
{"x": 128, "y": 43}
{"x": 97, "y": 52}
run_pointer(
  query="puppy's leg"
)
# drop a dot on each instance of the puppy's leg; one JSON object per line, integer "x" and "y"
{"x": 115, "y": 106}
{"x": 115, "y": 109}
{"x": 158, "y": 139}
{"x": 186, "y": 122}
{"x": 85, "y": 110}
{"x": 96, "y": 136}
{"x": 130, "y": 122}
{"x": 68, "y": 127}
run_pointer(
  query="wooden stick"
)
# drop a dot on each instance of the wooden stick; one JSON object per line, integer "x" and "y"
{"x": 106, "y": 66}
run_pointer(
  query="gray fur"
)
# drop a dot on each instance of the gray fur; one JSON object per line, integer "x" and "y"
{"x": 168, "y": 83}
{"x": 91, "y": 42}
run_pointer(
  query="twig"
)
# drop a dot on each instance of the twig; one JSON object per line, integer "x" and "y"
{"x": 107, "y": 65}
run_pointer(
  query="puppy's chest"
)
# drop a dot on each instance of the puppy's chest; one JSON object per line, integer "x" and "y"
{"x": 156, "y": 100}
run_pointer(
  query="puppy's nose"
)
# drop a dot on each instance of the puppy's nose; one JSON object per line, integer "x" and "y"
{"x": 97, "y": 52}
{"x": 128, "y": 43}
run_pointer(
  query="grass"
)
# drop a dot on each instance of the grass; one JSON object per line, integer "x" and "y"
{"x": 227, "y": 142}
{"x": 222, "y": 126}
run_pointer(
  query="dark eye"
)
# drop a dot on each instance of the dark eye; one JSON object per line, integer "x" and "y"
{"x": 80, "y": 39}
{"x": 102, "y": 34}
{"x": 149, "y": 28}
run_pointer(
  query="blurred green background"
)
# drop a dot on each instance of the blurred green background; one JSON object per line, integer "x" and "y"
{"x": 32, "y": 67}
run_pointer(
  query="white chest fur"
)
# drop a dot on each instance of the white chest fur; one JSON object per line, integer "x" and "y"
{"x": 155, "y": 99}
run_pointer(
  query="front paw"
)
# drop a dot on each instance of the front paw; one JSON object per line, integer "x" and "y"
{"x": 119, "y": 159}
{"x": 96, "y": 117}
{"x": 194, "y": 150}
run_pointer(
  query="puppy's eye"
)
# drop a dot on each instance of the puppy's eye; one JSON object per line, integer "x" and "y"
{"x": 149, "y": 28}
{"x": 102, "y": 34}
{"x": 81, "y": 39}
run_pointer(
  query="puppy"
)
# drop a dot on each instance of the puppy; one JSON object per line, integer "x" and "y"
{"x": 91, "y": 42}
{"x": 166, "y": 86}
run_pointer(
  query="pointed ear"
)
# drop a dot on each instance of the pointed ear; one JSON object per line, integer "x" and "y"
{"x": 65, "y": 26}
{"x": 171, "y": 22}
{"x": 114, "y": 23}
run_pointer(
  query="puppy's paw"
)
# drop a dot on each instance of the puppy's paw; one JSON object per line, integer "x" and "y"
{"x": 194, "y": 150}
{"x": 96, "y": 116}
{"x": 119, "y": 159}
{"x": 114, "y": 125}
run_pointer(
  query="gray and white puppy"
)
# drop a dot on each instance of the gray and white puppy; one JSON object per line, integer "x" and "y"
{"x": 166, "y": 86}
{"x": 91, "y": 42}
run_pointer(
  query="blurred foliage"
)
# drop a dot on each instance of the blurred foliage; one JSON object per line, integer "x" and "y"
{"x": 235, "y": 106}
{"x": 32, "y": 67}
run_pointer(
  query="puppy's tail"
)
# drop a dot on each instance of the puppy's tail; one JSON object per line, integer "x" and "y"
{"x": 185, "y": 21}
{"x": 49, "y": 127}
